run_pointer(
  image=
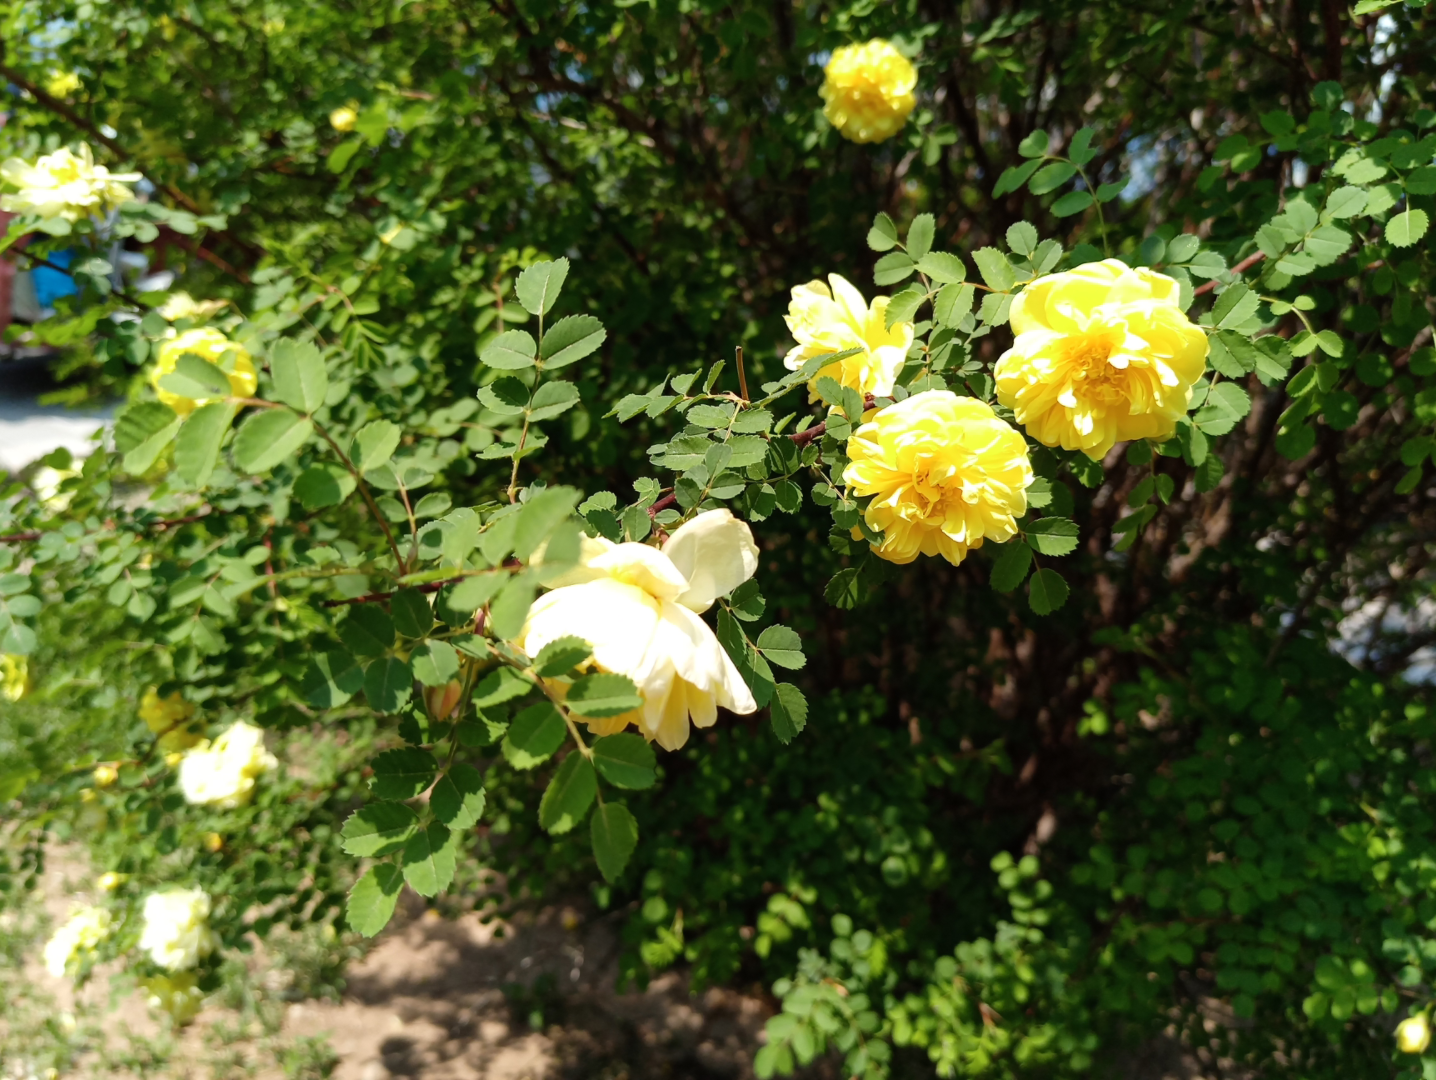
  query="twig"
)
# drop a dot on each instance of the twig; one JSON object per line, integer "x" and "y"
{"x": 742, "y": 376}
{"x": 1245, "y": 264}
{"x": 380, "y": 597}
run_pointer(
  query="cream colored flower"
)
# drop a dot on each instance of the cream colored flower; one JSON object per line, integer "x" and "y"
{"x": 208, "y": 344}
{"x": 344, "y": 118}
{"x": 638, "y": 606}
{"x": 175, "y": 931}
{"x": 223, "y": 774}
{"x": 945, "y": 474}
{"x": 169, "y": 718}
{"x": 64, "y": 185}
{"x": 824, "y": 319}
{"x": 868, "y": 92}
{"x": 45, "y": 483}
{"x": 181, "y": 305}
{"x": 14, "y": 676}
{"x": 1103, "y": 354}
{"x": 178, "y": 995}
{"x": 1413, "y": 1035}
{"x": 83, "y": 933}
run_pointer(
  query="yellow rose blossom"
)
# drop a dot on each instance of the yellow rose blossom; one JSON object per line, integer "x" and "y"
{"x": 344, "y": 117}
{"x": 208, "y": 344}
{"x": 175, "y": 929}
{"x": 14, "y": 676}
{"x": 868, "y": 92}
{"x": 639, "y": 607}
{"x": 82, "y": 933}
{"x": 1413, "y": 1035}
{"x": 109, "y": 881}
{"x": 105, "y": 775}
{"x": 181, "y": 305}
{"x": 834, "y": 318}
{"x": 64, "y": 185}
{"x": 169, "y": 718}
{"x": 178, "y": 995}
{"x": 62, "y": 84}
{"x": 222, "y": 774}
{"x": 1102, "y": 354}
{"x": 945, "y": 474}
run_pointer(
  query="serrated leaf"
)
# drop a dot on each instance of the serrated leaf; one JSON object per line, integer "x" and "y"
{"x": 1234, "y": 307}
{"x": 883, "y": 236}
{"x": 300, "y": 378}
{"x": 510, "y": 607}
{"x": 374, "y": 444}
{"x": 368, "y": 630}
{"x": 1405, "y": 229}
{"x": 541, "y": 514}
{"x": 538, "y": 286}
{"x": 1074, "y": 202}
{"x": 901, "y": 309}
{"x": 893, "y": 267}
{"x": 402, "y": 773}
{"x": 534, "y": 735}
{"x": 458, "y": 798}
{"x": 372, "y": 900}
{"x": 435, "y": 663}
{"x": 331, "y": 679}
{"x": 378, "y": 828}
{"x": 614, "y": 834}
{"x": 996, "y": 271}
{"x": 953, "y": 304}
{"x": 569, "y": 795}
{"x": 942, "y": 267}
{"x": 603, "y": 695}
{"x": 430, "y": 859}
{"x": 1052, "y": 535}
{"x": 788, "y": 712}
{"x": 782, "y": 646}
{"x": 626, "y": 760}
{"x": 388, "y": 684}
{"x": 268, "y": 437}
{"x": 561, "y": 656}
{"x": 1047, "y": 591}
{"x": 199, "y": 440}
{"x": 552, "y": 399}
{"x": 1080, "y": 148}
{"x": 149, "y": 440}
{"x": 197, "y": 378}
{"x": 1034, "y": 145}
{"x": 1051, "y": 177}
{"x": 498, "y": 686}
{"x": 1011, "y": 567}
{"x": 570, "y": 339}
{"x": 920, "y": 234}
{"x": 1226, "y": 405}
{"x": 323, "y": 485}
{"x": 1022, "y": 238}
{"x": 513, "y": 350}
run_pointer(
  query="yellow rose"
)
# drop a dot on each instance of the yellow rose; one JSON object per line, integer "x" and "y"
{"x": 109, "y": 881}
{"x": 167, "y": 717}
{"x": 213, "y": 842}
{"x": 175, "y": 930}
{"x": 105, "y": 775}
{"x": 1103, "y": 354}
{"x": 83, "y": 933}
{"x": 868, "y": 92}
{"x": 208, "y": 344}
{"x": 222, "y": 774}
{"x": 179, "y": 995}
{"x": 829, "y": 320}
{"x": 639, "y": 607}
{"x": 1413, "y": 1035}
{"x": 14, "y": 676}
{"x": 344, "y": 118}
{"x": 62, "y": 84}
{"x": 64, "y": 185}
{"x": 945, "y": 473}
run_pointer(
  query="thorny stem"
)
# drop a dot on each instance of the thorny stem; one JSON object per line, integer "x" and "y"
{"x": 364, "y": 491}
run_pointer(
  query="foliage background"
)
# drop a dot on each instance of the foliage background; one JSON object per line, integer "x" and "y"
{"x": 1219, "y": 805}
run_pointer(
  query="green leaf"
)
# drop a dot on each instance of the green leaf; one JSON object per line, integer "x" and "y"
{"x": 1422, "y": 181}
{"x": 782, "y": 646}
{"x": 142, "y": 432}
{"x": 378, "y": 828}
{"x": 561, "y": 656}
{"x": 541, "y": 514}
{"x": 1226, "y": 405}
{"x": 1052, "y": 535}
{"x": 458, "y": 798}
{"x": 1074, "y": 202}
{"x": 788, "y": 712}
{"x": 430, "y": 858}
{"x": 474, "y": 592}
{"x": 1051, "y": 177}
{"x": 570, "y": 339}
{"x": 513, "y": 350}
{"x": 1022, "y": 238}
{"x": 552, "y": 399}
{"x": 372, "y": 900}
{"x": 510, "y": 608}
{"x": 412, "y": 615}
{"x": 1234, "y": 307}
{"x": 374, "y": 444}
{"x": 883, "y": 236}
{"x": 1080, "y": 148}
{"x": 331, "y": 679}
{"x": 953, "y": 304}
{"x": 893, "y": 267}
{"x": 1405, "y": 229}
{"x": 388, "y": 683}
{"x": 435, "y": 663}
{"x": 534, "y": 735}
{"x": 901, "y": 308}
{"x": 1013, "y": 178}
{"x": 1345, "y": 202}
{"x": 626, "y": 760}
{"x": 1011, "y": 567}
{"x": 195, "y": 377}
{"x": 323, "y": 485}
{"x": 197, "y": 448}
{"x": 614, "y": 833}
{"x": 1107, "y": 192}
{"x": 942, "y": 267}
{"x": 603, "y": 695}
{"x": 920, "y": 234}
{"x": 1047, "y": 591}
{"x": 341, "y": 155}
{"x": 996, "y": 271}
{"x": 300, "y": 378}
{"x": 569, "y": 795}
{"x": 498, "y": 686}
{"x": 367, "y": 630}
{"x": 538, "y": 286}
{"x": 402, "y": 773}
{"x": 268, "y": 437}
{"x": 1034, "y": 145}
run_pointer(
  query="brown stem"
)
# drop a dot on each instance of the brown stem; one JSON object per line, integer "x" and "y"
{"x": 364, "y": 491}
{"x": 380, "y": 597}
{"x": 1246, "y": 264}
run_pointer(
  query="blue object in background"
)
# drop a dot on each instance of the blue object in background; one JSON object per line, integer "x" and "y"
{"x": 51, "y": 284}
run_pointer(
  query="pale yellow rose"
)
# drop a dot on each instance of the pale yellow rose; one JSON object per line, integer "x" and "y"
{"x": 169, "y": 717}
{"x": 181, "y": 305}
{"x": 176, "y": 932}
{"x": 1413, "y": 1035}
{"x": 82, "y": 933}
{"x": 14, "y": 676}
{"x": 344, "y": 117}
{"x": 833, "y": 318}
{"x": 945, "y": 474}
{"x": 639, "y": 607}
{"x": 868, "y": 91}
{"x": 1103, "y": 354}
{"x": 178, "y": 995}
{"x": 105, "y": 775}
{"x": 208, "y": 344}
{"x": 64, "y": 185}
{"x": 109, "y": 881}
{"x": 222, "y": 774}
{"x": 62, "y": 84}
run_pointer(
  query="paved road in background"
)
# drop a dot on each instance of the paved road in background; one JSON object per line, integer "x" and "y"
{"x": 29, "y": 430}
